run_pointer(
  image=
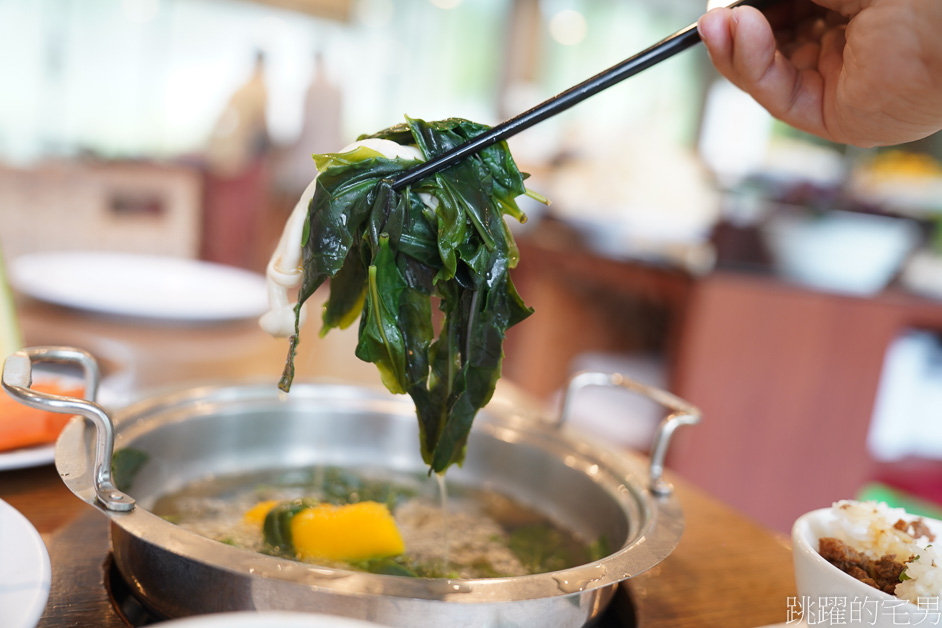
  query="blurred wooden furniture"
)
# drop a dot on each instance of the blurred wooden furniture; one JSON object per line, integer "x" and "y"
{"x": 126, "y": 206}
{"x": 138, "y": 355}
{"x": 786, "y": 376}
{"x": 584, "y": 302}
{"x": 238, "y": 226}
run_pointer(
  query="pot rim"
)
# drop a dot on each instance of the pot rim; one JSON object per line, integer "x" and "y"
{"x": 84, "y": 449}
{"x": 660, "y": 529}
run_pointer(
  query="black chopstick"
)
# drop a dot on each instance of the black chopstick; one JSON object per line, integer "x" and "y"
{"x": 679, "y": 41}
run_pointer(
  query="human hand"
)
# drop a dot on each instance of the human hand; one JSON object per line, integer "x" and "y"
{"x": 861, "y": 72}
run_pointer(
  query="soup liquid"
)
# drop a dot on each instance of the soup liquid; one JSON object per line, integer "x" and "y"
{"x": 464, "y": 533}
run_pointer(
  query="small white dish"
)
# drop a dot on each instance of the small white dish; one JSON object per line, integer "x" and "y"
{"x": 828, "y": 596}
{"x": 268, "y": 619}
{"x": 840, "y": 251}
{"x": 25, "y": 573}
{"x": 27, "y": 457}
{"x": 144, "y": 286}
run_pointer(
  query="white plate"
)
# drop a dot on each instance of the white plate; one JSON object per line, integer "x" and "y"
{"x": 266, "y": 619}
{"x": 24, "y": 570}
{"x": 27, "y": 457}
{"x": 145, "y": 286}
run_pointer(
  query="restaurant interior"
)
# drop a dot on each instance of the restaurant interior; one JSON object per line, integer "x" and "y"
{"x": 789, "y": 288}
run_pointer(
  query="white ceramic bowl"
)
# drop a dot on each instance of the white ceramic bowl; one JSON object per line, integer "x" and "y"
{"x": 829, "y": 597}
{"x": 843, "y": 252}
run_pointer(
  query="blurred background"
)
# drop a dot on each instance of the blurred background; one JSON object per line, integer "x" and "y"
{"x": 787, "y": 286}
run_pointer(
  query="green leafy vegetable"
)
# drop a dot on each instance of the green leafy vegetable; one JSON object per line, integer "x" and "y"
{"x": 277, "y": 526}
{"x": 125, "y": 465}
{"x": 394, "y": 566}
{"x": 542, "y": 548}
{"x": 598, "y": 549}
{"x": 403, "y": 566}
{"x": 388, "y": 255}
{"x": 340, "y": 486}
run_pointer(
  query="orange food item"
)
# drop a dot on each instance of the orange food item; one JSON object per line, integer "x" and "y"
{"x": 22, "y": 426}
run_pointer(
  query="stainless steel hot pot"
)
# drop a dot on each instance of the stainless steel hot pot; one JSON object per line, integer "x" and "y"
{"x": 211, "y": 431}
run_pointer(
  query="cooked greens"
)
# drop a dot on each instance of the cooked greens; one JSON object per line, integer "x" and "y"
{"x": 125, "y": 465}
{"x": 276, "y": 528}
{"x": 388, "y": 254}
{"x": 542, "y": 547}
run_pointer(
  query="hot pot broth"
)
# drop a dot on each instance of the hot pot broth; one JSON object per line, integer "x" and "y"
{"x": 472, "y": 533}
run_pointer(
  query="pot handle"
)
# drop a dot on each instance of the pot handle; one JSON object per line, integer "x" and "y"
{"x": 17, "y": 379}
{"x": 682, "y": 413}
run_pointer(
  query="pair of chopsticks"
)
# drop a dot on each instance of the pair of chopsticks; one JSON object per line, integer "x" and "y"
{"x": 679, "y": 41}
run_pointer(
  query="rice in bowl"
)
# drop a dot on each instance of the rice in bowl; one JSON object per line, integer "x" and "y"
{"x": 879, "y": 533}
{"x": 874, "y": 536}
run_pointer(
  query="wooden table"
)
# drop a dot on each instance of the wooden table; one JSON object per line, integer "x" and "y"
{"x": 727, "y": 571}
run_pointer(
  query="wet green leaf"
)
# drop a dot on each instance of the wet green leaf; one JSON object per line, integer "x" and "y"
{"x": 276, "y": 529}
{"x": 390, "y": 256}
{"x": 125, "y": 465}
